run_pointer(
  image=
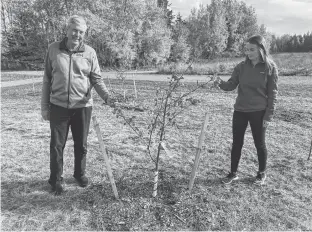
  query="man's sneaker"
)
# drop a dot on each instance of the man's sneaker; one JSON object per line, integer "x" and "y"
{"x": 82, "y": 181}
{"x": 230, "y": 178}
{"x": 260, "y": 178}
{"x": 57, "y": 187}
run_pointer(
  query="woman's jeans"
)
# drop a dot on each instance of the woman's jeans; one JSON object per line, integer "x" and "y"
{"x": 240, "y": 122}
{"x": 60, "y": 121}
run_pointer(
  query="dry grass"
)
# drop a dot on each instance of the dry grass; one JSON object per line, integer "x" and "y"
{"x": 294, "y": 63}
{"x": 284, "y": 203}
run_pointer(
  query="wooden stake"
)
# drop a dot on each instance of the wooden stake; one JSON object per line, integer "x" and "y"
{"x": 199, "y": 147}
{"x": 310, "y": 150}
{"x": 166, "y": 149}
{"x": 102, "y": 146}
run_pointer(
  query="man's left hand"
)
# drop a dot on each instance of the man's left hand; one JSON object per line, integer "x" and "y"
{"x": 111, "y": 102}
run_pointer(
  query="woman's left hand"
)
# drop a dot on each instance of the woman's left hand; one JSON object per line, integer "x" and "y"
{"x": 265, "y": 123}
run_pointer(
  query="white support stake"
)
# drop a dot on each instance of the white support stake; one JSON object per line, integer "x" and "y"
{"x": 110, "y": 86}
{"x": 155, "y": 184}
{"x": 33, "y": 85}
{"x": 124, "y": 94}
{"x": 199, "y": 148}
{"x": 102, "y": 146}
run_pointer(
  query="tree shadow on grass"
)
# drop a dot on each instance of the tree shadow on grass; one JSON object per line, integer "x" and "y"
{"x": 15, "y": 195}
{"x": 22, "y": 196}
{"x": 19, "y": 197}
{"x": 38, "y": 193}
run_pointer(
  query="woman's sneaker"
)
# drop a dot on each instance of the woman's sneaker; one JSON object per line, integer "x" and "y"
{"x": 230, "y": 178}
{"x": 260, "y": 178}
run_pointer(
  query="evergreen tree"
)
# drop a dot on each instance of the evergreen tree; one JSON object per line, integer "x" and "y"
{"x": 218, "y": 35}
{"x": 248, "y": 25}
{"x": 233, "y": 16}
{"x": 180, "y": 50}
{"x": 267, "y": 36}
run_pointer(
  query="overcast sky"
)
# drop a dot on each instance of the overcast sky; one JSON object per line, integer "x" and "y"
{"x": 279, "y": 16}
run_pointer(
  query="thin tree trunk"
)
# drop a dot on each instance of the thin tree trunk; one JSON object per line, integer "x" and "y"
{"x": 3, "y": 19}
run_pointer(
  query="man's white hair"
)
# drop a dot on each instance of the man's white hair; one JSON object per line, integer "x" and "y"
{"x": 76, "y": 19}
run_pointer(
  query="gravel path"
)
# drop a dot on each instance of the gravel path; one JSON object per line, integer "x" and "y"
{"x": 20, "y": 82}
{"x": 146, "y": 76}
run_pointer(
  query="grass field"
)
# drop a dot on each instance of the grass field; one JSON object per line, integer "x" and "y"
{"x": 283, "y": 203}
{"x": 289, "y": 64}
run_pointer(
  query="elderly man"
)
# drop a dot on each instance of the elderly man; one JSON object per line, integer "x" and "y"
{"x": 71, "y": 71}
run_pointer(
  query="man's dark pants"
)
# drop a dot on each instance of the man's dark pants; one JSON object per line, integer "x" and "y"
{"x": 60, "y": 121}
{"x": 240, "y": 122}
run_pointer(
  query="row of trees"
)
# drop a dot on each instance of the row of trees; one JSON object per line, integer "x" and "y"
{"x": 134, "y": 33}
{"x": 221, "y": 27}
{"x": 123, "y": 32}
{"x": 292, "y": 43}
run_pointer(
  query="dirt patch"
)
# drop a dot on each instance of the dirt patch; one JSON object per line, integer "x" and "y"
{"x": 300, "y": 118}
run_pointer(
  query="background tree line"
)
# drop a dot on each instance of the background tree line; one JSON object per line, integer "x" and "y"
{"x": 292, "y": 43}
{"x": 135, "y": 33}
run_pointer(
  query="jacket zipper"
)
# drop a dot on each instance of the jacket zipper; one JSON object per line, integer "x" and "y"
{"x": 69, "y": 77}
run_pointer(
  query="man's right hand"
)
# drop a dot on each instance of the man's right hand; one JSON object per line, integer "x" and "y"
{"x": 45, "y": 115}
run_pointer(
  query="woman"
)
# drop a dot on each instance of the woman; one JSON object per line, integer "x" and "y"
{"x": 256, "y": 78}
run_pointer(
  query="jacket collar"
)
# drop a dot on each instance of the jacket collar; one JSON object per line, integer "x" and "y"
{"x": 248, "y": 61}
{"x": 81, "y": 47}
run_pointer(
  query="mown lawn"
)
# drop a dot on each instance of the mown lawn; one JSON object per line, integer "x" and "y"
{"x": 284, "y": 203}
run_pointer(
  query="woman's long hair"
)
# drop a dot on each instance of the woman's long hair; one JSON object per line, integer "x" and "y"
{"x": 260, "y": 42}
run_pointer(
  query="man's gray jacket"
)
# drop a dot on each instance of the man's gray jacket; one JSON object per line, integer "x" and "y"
{"x": 70, "y": 76}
